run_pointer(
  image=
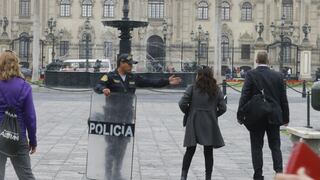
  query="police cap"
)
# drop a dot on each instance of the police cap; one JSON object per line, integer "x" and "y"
{"x": 126, "y": 58}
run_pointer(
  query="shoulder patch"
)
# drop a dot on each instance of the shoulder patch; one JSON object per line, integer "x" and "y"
{"x": 104, "y": 78}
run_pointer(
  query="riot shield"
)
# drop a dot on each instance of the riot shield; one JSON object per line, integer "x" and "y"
{"x": 111, "y": 129}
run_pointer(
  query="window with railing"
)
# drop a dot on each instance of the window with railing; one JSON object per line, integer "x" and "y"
{"x": 87, "y": 8}
{"x": 65, "y": 6}
{"x": 64, "y": 48}
{"x": 108, "y": 8}
{"x": 287, "y": 50}
{"x": 156, "y": 9}
{"x": 203, "y": 50}
{"x": 246, "y": 12}
{"x": 225, "y": 10}
{"x": 225, "y": 47}
{"x": 24, "y": 46}
{"x": 24, "y": 8}
{"x": 245, "y": 51}
{"x": 287, "y": 9}
{"x": 108, "y": 49}
{"x": 203, "y": 10}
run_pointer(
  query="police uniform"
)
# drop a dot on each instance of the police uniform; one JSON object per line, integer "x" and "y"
{"x": 119, "y": 109}
{"x": 114, "y": 82}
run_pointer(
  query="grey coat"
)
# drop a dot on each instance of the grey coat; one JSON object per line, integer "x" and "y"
{"x": 202, "y": 122}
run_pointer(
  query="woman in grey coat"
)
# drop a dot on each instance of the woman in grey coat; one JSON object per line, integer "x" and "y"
{"x": 204, "y": 103}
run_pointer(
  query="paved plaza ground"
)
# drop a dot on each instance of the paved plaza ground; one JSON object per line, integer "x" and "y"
{"x": 62, "y": 138}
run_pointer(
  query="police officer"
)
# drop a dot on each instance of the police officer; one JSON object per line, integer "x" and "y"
{"x": 122, "y": 80}
{"x": 118, "y": 108}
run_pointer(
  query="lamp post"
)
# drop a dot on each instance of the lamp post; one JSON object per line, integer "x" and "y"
{"x": 207, "y": 50}
{"x": 199, "y": 37}
{"x": 42, "y": 41}
{"x": 1, "y": 21}
{"x": 87, "y": 40}
{"x": 165, "y": 33}
{"x": 50, "y": 34}
{"x": 283, "y": 31}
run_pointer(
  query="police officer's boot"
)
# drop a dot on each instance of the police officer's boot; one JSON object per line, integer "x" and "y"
{"x": 184, "y": 175}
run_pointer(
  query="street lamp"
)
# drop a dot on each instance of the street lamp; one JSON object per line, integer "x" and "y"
{"x": 283, "y": 31}
{"x": 43, "y": 42}
{"x": 200, "y": 36}
{"x": 50, "y": 33}
{"x": 207, "y": 39}
{"x": 1, "y": 23}
{"x": 87, "y": 39}
{"x": 165, "y": 33}
{"x": 306, "y": 30}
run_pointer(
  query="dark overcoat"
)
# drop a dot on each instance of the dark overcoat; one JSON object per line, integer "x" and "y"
{"x": 202, "y": 122}
{"x": 272, "y": 83}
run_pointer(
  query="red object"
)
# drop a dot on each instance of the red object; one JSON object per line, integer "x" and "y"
{"x": 303, "y": 156}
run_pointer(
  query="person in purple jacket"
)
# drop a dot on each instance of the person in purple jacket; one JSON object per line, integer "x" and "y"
{"x": 18, "y": 94}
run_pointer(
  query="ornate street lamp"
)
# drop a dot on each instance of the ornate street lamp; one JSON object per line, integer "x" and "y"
{"x": 50, "y": 33}
{"x": 306, "y": 30}
{"x": 87, "y": 40}
{"x": 42, "y": 42}
{"x": 165, "y": 33}
{"x": 259, "y": 30}
{"x": 200, "y": 36}
{"x": 207, "y": 39}
{"x": 283, "y": 31}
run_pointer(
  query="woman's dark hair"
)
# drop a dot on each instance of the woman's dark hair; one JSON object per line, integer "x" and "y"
{"x": 206, "y": 82}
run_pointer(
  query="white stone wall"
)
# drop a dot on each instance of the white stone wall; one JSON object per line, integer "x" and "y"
{"x": 181, "y": 16}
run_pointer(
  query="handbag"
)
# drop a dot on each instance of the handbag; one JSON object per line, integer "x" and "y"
{"x": 261, "y": 108}
{"x": 10, "y": 137}
{"x": 186, "y": 115}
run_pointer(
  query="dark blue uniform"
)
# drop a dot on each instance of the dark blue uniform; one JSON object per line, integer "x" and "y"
{"x": 114, "y": 82}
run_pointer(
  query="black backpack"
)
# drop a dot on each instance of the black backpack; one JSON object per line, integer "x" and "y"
{"x": 10, "y": 136}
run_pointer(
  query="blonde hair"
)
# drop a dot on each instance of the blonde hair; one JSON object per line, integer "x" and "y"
{"x": 9, "y": 65}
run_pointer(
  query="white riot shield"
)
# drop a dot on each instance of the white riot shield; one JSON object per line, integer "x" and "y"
{"x": 111, "y": 128}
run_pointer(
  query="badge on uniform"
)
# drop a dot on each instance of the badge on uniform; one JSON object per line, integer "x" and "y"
{"x": 104, "y": 78}
{"x": 132, "y": 83}
{"x": 116, "y": 81}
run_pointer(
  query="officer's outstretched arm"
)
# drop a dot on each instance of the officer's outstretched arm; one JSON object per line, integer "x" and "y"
{"x": 157, "y": 83}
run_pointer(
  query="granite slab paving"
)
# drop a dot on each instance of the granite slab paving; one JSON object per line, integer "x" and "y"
{"x": 63, "y": 138}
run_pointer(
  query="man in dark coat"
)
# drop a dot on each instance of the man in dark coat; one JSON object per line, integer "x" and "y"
{"x": 273, "y": 85}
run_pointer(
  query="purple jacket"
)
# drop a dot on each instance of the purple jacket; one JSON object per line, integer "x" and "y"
{"x": 23, "y": 104}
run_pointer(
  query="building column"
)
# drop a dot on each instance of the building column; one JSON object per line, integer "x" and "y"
{"x": 305, "y": 61}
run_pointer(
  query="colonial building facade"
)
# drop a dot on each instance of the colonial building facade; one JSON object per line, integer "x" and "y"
{"x": 173, "y": 37}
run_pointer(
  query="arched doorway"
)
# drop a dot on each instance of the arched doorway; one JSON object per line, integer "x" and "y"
{"x": 155, "y": 54}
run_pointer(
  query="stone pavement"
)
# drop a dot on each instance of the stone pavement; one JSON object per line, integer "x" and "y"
{"x": 62, "y": 138}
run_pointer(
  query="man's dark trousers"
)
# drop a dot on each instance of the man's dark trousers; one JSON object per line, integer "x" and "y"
{"x": 256, "y": 138}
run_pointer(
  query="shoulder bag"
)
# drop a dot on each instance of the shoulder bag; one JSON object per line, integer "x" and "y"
{"x": 261, "y": 108}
